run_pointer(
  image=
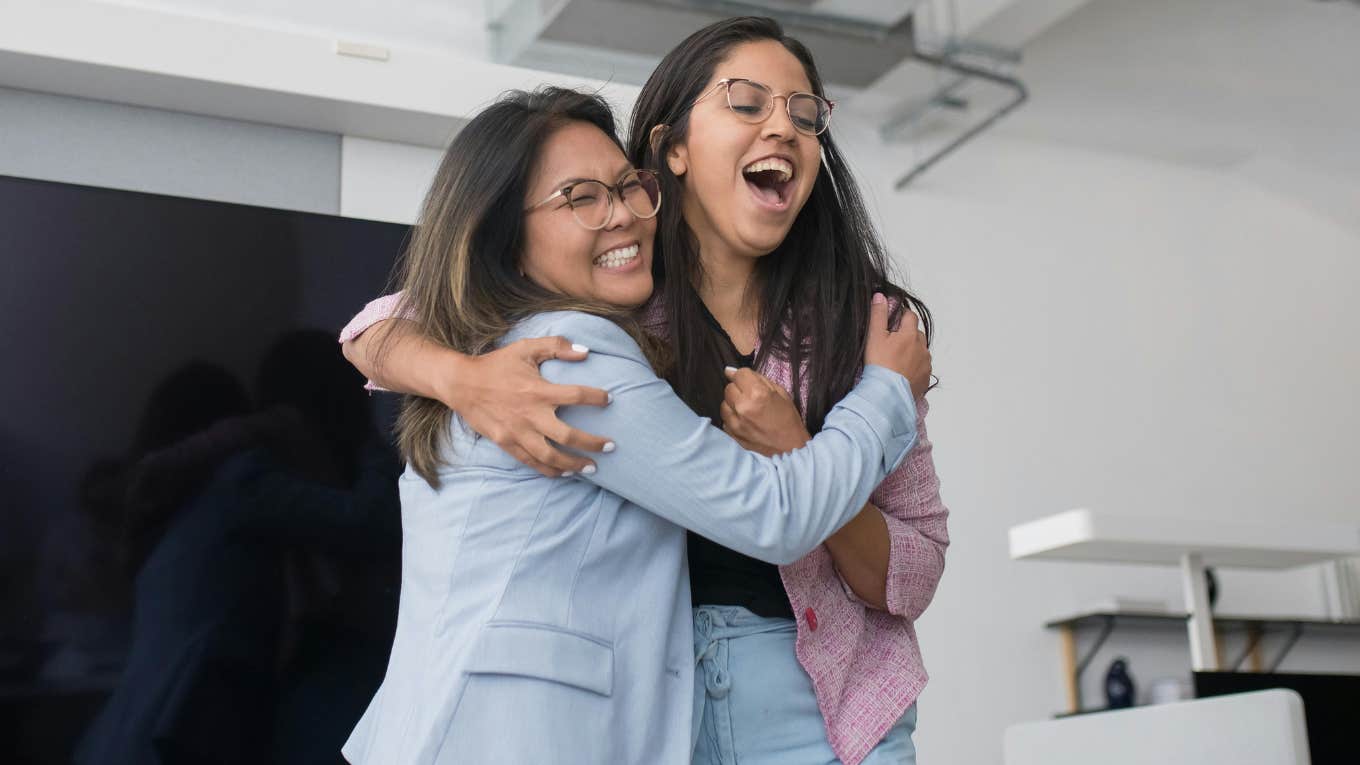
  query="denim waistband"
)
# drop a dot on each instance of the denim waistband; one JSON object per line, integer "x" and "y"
{"x": 713, "y": 626}
{"x": 720, "y": 622}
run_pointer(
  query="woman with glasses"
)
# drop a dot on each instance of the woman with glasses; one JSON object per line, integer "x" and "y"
{"x": 765, "y": 258}
{"x": 548, "y": 620}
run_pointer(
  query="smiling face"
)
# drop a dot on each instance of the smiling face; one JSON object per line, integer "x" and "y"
{"x": 611, "y": 265}
{"x": 746, "y": 183}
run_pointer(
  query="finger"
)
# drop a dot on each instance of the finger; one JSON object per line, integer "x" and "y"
{"x": 740, "y": 401}
{"x": 747, "y": 380}
{"x": 525, "y": 458}
{"x": 878, "y": 314}
{"x": 729, "y": 416}
{"x": 575, "y": 395}
{"x": 541, "y": 349}
{"x": 555, "y": 458}
{"x": 565, "y": 435}
{"x": 909, "y": 318}
{"x": 731, "y": 394}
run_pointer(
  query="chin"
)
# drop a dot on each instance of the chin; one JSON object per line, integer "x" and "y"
{"x": 630, "y": 296}
{"x": 762, "y": 243}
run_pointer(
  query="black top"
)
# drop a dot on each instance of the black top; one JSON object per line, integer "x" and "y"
{"x": 722, "y": 577}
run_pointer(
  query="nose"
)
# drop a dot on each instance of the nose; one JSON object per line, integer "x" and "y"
{"x": 778, "y": 125}
{"x": 619, "y": 214}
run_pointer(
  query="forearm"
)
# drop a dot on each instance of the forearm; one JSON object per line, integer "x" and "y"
{"x": 674, "y": 463}
{"x": 397, "y": 357}
{"x": 860, "y": 552}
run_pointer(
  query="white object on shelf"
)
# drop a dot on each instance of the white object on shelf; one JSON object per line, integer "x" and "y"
{"x": 359, "y": 50}
{"x": 1123, "y": 604}
{"x": 1191, "y": 543}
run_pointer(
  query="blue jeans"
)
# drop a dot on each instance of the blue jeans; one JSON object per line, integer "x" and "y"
{"x": 753, "y": 702}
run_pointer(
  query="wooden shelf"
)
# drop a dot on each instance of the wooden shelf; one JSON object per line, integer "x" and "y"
{"x": 1177, "y": 618}
{"x": 1255, "y": 628}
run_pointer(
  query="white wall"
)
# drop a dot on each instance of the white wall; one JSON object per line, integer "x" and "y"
{"x": 1134, "y": 326}
{"x": 98, "y": 143}
{"x": 382, "y": 180}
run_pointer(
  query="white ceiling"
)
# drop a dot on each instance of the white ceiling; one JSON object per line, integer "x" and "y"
{"x": 458, "y": 25}
{"x": 1262, "y": 88}
{"x": 461, "y": 25}
{"x": 1219, "y": 83}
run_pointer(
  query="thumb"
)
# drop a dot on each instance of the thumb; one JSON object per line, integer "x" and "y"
{"x": 878, "y": 315}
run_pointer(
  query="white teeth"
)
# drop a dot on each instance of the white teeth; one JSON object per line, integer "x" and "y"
{"x": 780, "y": 166}
{"x": 618, "y": 257}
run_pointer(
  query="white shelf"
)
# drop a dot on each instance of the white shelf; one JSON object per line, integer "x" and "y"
{"x": 1087, "y": 535}
{"x": 203, "y": 66}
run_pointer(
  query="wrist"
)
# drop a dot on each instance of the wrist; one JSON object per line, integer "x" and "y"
{"x": 450, "y": 375}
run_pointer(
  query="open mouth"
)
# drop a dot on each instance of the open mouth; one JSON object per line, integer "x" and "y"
{"x": 619, "y": 257}
{"x": 770, "y": 180}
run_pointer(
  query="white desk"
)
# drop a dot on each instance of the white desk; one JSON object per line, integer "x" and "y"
{"x": 1260, "y": 728}
{"x": 1191, "y": 543}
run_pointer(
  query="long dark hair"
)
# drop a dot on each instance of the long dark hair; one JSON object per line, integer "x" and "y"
{"x": 815, "y": 287}
{"x": 460, "y": 276}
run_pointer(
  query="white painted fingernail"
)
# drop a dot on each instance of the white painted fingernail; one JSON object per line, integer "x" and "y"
{"x": 729, "y": 369}
{"x": 609, "y": 398}
{"x": 608, "y": 447}
{"x": 579, "y": 348}
{"x": 568, "y": 473}
{"x": 588, "y": 470}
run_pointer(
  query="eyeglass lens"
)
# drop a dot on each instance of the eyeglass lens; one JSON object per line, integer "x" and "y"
{"x": 753, "y": 102}
{"x": 591, "y": 205}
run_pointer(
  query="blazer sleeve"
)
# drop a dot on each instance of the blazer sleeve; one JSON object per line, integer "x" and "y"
{"x": 381, "y": 309}
{"x": 918, "y": 533}
{"x": 676, "y": 464}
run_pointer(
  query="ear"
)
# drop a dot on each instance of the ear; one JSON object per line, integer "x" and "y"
{"x": 677, "y": 159}
{"x": 657, "y": 134}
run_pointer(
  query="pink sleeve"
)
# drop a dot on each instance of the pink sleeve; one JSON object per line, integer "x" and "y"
{"x": 378, "y": 310}
{"x": 382, "y": 309}
{"x": 909, "y": 499}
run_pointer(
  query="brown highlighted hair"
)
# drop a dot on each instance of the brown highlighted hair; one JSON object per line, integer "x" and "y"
{"x": 460, "y": 275}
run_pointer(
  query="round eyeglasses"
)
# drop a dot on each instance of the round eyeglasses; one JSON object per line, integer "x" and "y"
{"x": 592, "y": 202}
{"x": 753, "y": 102}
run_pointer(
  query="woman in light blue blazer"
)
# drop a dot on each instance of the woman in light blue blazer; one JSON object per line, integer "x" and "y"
{"x": 546, "y": 620}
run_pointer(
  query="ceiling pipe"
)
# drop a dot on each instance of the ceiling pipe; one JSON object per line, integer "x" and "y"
{"x": 945, "y": 97}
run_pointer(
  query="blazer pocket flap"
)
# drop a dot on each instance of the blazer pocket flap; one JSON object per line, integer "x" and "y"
{"x": 546, "y": 652}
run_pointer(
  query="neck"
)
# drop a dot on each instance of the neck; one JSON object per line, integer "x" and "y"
{"x": 727, "y": 290}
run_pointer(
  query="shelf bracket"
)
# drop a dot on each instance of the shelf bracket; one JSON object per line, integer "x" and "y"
{"x": 1294, "y": 636}
{"x": 1079, "y": 668}
{"x": 1254, "y": 634}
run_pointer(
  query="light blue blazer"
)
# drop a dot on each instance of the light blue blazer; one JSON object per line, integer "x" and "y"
{"x": 547, "y": 620}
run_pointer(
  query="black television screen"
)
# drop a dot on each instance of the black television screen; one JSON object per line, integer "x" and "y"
{"x": 199, "y": 532}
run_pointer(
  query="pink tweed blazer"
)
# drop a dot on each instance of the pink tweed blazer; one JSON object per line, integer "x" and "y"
{"x": 865, "y": 664}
